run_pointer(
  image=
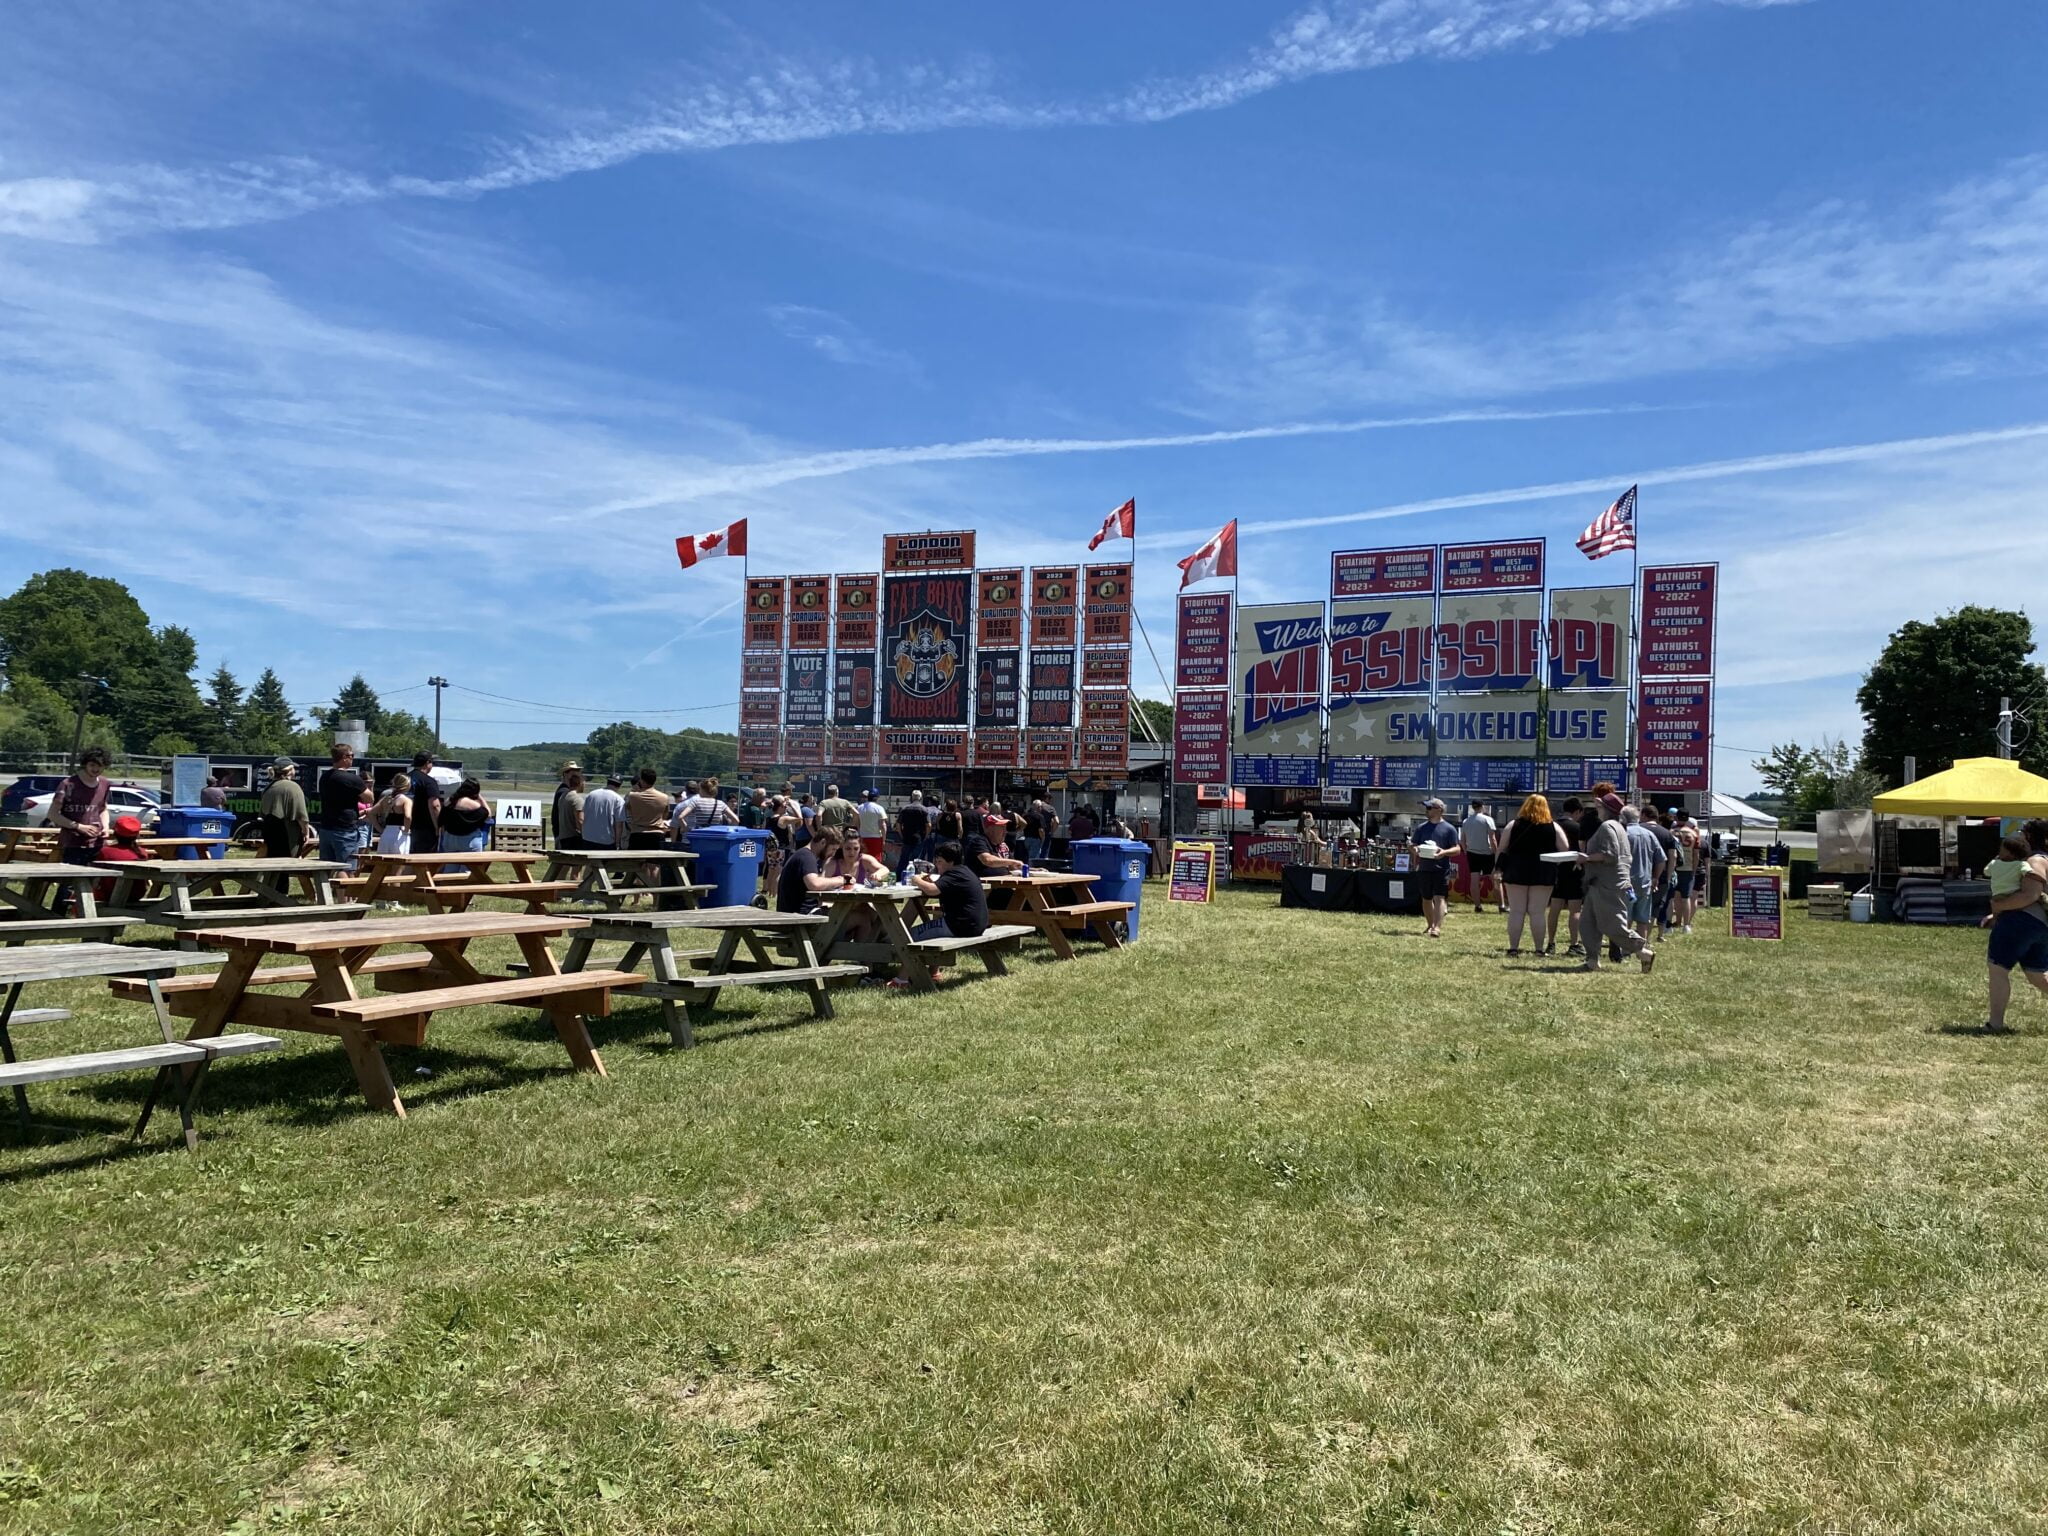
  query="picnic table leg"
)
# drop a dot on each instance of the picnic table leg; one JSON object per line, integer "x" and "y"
{"x": 721, "y": 962}
{"x": 7, "y": 1053}
{"x": 1036, "y": 901}
{"x": 675, "y": 1015}
{"x": 806, "y": 956}
{"x": 896, "y": 930}
{"x": 579, "y": 952}
{"x": 365, "y": 1052}
{"x": 540, "y": 961}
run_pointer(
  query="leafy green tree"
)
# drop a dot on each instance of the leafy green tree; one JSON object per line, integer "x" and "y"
{"x": 168, "y": 745}
{"x": 223, "y": 705}
{"x": 1824, "y": 777}
{"x": 22, "y": 739}
{"x": 399, "y": 734}
{"x": 61, "y": 625}
{"x": 1159, "y": 716}
{"x": 160, "y": 698}
{"x": 357, "y": 701}
{"x": 1933, "y": 693}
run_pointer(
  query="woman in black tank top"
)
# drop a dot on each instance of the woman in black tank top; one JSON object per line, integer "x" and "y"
{"x": 1527, "y": 879}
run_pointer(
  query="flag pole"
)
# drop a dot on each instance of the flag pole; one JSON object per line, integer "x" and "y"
{"x": 1635, "y": 555}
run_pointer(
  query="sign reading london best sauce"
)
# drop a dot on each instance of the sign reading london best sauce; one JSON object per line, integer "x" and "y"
{"x": 952, "y": 551}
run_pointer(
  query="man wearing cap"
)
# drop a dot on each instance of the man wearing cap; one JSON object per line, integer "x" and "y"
{"x": 980, "y": 845}
{"x": 874, "y": 827}
{"x": 1609, "y": 890}
{"x": 1433, "y": 875}
{"x": 604, "y": 816}
{"x": 287, "y": 830}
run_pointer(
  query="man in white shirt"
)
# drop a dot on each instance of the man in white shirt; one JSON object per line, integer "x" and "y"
{"x": 604, "y": 816}
{"x": 874, "y": 826}
{"x": 1481, "y": 841}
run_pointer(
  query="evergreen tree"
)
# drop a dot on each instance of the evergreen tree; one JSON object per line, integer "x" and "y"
{"x": 357, "y": 701}
{"x": 223, "y": 710}
{"x": 267, "y": 722}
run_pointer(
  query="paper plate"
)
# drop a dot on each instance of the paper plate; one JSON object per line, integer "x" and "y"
{"x": 1559, "y": 858}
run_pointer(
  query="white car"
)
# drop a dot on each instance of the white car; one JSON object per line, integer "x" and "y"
{"x": 122, "y": 800}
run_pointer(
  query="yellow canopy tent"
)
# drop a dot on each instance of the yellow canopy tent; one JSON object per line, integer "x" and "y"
{"x": 1976, "y": 786}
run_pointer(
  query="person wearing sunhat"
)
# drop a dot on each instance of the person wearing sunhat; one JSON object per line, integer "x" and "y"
{"x": 1609, "y": 890}
{"x": 1433, "y": 841}
{"x": 287, "y": 829}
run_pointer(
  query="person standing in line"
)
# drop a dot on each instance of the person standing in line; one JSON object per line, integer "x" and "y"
{"x": 465, "y": 823}
{"x": 1606, "y": 861}
{"x": 287, "y": 830}
{"x": 1524, "y": 875}
{"x": 874, "y": 827}
{"x": 341, "y": 798}
{"x": 568, "y": 811}
{"x": 1083, "y": 823}
{"x": 215, "y": 796}
{"x": 836, "y": 813}
{"x": 1481, "y": 841}
{"x": 555, "y": 819}
{"x": 1659, "y": 823}
{"x": 604, "y": 816}
{"x": 426, "y": 803}
{"x": 1645, "y": 870}
{"x": 391, "y": 817}
{"x": 1569, "y": 894}
{"x": 647, "y": 812}
{"x": 1433, "y": 874}
{"x": 754, "y": 813}
{"x": 700, "y": 808}
{"x": 2018, "y": 921}
{"x": 1683, "y": 902}
{"x": 914, "y": 831}
{"x": 1047, "y": 822}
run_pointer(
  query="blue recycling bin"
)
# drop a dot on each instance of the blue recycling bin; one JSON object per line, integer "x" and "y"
{"x": 729, "y": 861}
{"x": 1118, "y": 865}
{"x": 197, "y": 821}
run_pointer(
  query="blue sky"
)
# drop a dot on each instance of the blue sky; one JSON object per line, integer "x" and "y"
{"x": 400, "y": 338}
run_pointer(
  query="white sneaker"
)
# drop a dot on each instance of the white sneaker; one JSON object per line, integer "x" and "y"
{"x": 1686, "y": 929}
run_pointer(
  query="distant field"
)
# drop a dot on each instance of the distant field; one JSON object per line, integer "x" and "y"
{"x": 1273, "y": 1222}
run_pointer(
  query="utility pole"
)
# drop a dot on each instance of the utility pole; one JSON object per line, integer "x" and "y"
{"x": 2005, "y": 727}
{"x": 86, "y": 684}
{"x": 437, "y": 684}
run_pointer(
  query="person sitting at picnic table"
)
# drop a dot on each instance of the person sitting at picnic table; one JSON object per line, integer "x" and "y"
{"x": 963, "y": 904}
{"x": 121, "y": 848}
{"x": 391, "y": 816}
{"x": 987, "y": 853}
{"x": 803, "y": 877}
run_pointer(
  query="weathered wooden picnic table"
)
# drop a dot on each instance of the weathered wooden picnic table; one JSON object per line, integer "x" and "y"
{"x": 765, "y": 935}
{"x": 1058, "y": 905}
{"x": 325, "y": 999}
{"x": 29, "y": 897}
{"x": 897, "y": 909}
{"x": 144, "y": 971}
{"x": 449, "y": 882}
{"x": 613, "y": 876}
{"x": 187, "y": 894}
{"x": 27, "y": 845}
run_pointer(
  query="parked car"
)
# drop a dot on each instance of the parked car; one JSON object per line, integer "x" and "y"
{"x": 122, "y": 800}
{"x": 15, "y": 796}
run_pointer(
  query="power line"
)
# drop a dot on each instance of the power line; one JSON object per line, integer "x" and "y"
{"x": 593, "y": 709}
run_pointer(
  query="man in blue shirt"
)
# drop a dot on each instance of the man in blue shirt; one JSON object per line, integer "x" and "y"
{"x": 1433, "y": 875}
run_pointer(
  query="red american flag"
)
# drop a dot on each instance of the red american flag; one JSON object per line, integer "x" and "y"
{"x": 1613, "y": 529}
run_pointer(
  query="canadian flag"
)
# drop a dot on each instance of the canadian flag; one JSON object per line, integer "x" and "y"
{"x": 729, "y": 540}
{"x": 1218, "y": 557}
{"x": 1120, "y": 524}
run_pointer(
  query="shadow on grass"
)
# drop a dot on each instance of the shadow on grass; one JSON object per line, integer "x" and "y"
{"x": 1975, "y": 1032}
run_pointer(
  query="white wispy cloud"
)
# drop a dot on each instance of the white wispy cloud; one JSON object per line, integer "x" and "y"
{"x": 837, "y": 339}
{"x": 792, "y": 101}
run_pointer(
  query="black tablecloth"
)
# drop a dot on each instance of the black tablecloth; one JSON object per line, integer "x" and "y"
{"x": 1349, "y": 890}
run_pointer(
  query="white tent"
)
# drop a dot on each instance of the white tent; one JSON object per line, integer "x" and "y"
{"x": 1727, "y": 812}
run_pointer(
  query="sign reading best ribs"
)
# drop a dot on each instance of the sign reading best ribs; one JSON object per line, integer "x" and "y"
{"x": 760, "y": 746}
{"x": 761, "y": 671}
{"x": 766, "y": 603}
{"x": 854, "y": 608}
{"x": 1202, "y": 648}
{"x": 1674, "y": 729}
{"x": 924, "y": 749}
{"x": 1106, "y": 667}
{"x": 928, "y": 551}
{"x": 1053, "y": 604}
{"x": 999, "y": 609}
{"x": 926, "y": 649}
{"x": 810, "y": 623}
{"x": 1383, "y": 572}
{"x": 1108, "y": 611}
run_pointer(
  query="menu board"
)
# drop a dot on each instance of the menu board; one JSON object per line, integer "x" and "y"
{"x": 1756, "y": 903}
{"x": 1192, "y": 875}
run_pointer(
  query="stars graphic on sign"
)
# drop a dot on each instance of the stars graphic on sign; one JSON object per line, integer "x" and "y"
{"x": 1508, "y": 605}
{"x": 1462, "y": 614}
{"x": 1363, "y": 727}
{"x": 1603, "y": 607}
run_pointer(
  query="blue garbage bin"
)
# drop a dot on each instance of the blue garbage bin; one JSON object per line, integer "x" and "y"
{"x": 197, "y": 821}
{"x": 1118, "y": 865}
{"x": 729, "y": 861}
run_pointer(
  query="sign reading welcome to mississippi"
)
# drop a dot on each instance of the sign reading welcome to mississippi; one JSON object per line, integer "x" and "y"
{"x": 1488, "y": 644}
{"x": 1674, "y": 725}
{"x": 1588, "y": 633}
{"x": 926, "y": 649}
{"x": 952, "y": 551}
{"x": 1202, "y": 646}
{"x": 1678, "y": 620}
{"x": 1379, "y": 645}
{"x": 1477, "y": 567}
{"x": 1279, "y": 736}
{"x": 1383, "y": 572}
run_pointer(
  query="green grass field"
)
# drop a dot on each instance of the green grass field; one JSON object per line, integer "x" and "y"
{"x": 1272, "y": 1222}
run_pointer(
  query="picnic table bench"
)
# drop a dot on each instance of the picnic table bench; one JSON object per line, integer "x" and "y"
{"x": 650, "y": 936}
{"x": 334, "y": 957}
{"x": 29, "y": 893}
{"x": 26, "y": 845}
{"x": 598, "y": 874}
{"x": 145, "y": 970}
{"x": 449, "y": 882}
{"x": 188, "y": 894}
{"x": 1056, "y": 905}
{"x": 896, "y": 909}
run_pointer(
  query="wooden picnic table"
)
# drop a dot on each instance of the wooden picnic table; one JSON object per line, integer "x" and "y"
{"x": 186, "y": 894}
{"x": 650, "y": 936}
{"x": 19, "y": 845}
{"x": 598, "y": 873}
{"x": 1057, "y": 905}
{"x": 324, "y": 998}
{"x": 449, "y": 882}
{"x": 144, "y": 971}
{"x": 29, "y": 893}
{"x": 897, "y": 909}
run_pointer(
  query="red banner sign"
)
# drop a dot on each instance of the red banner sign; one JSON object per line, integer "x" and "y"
{"x": 924, "y": 749}
{"x": 1106, "y": 668}
{"x": 1104, "y": 711}
{"x": 1383, "y": 572}
{"x": 1202, "y": 646}
{"x": 760, "y": 709}
{"x": 928, "y": 551}
{"x": 1105, "y": 751}
{"x": 1261, "y": 855}
{"x": 855, "y": 606}
{"x": 996, "y": 749}
{"x": 999, "y": 608}
{"x": 1201, "y": 737}
{"x": 1674, "y": 736}
{"x": 1108, "y": 611}
{"x": 1480, "y": 567}
{"x": 810, "y": 624}
{"x": 1053, "y": 601}
{"x": 767, "y": 598}
{"x": 761, "y": 671}
{"x": 760, "y": 748}
{"x": 1049, "y": 751}
{"x": 1678, "y": 620}
{"x": 804, "y": 748}
{"x": 853, "y": 747}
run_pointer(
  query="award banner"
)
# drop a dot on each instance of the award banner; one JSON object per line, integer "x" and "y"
{"x": 1201, "y": 737}
{"x": 1674, "y": 731}
{"x": 853, "y": 688}
{"x": 763, "y": 670}
{"x": 855, "y": 606}
{"x": 1202, "y": 642}
{"x": 1479, "y": 567}
{"x": 1105, "y": 668}
{"x": 1104, "y": 751}
{"x": 853, "y": 747}
{"x": 995, "y": 690}
{"x": 766, "y": 603}
{"x": 1052, "y": 689}
{"x": 1048, "y": 751}
{"x": 759, "y": 708}
{"x": 1588, "y": 637}
{"x": 1105, "y": 711}
{"x": 928, "y": 551}
{"x": 1053, "y": 604}
{"x": 1678, "y": 620}
{"x": 1489, "y": 644}
{"x": 1383, "y": 572}
{"x": 805, "y": 748}
{"x": 1379, "y": 742}
{"x": 999, "y": 609}
{"x": 810, "y": 621}
{"x": 804, "y": 697}
{"x": 996, "y": 749}
{"x": 926, "y": 639}
{"x": 1279, "y": 735}
{"x": 760, "y": 747}
{"x": 1108, "y": 613}
{"x": 1379, "y": 646}
{"x": 924, "y": 749}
